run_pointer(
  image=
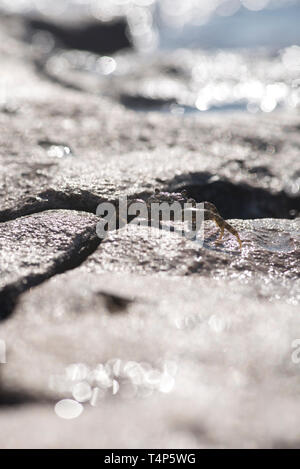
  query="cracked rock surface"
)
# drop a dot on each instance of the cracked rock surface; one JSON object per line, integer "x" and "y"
{"x": 36, "y": 247}
{"x": 270, "y": 247}
{"x": 162, "y": 341}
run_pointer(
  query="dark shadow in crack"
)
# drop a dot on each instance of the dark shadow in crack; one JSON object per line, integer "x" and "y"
{"x": 16, "y": 398}
{"x": 51, "y": 199}
{"x": 233, "y": 200}
{"x": 116, "y": 303}
{"x": 82, "y": 201}
{"x": 84, "y": 246}
{"x": 237, "y": 201}
{"x": 94, "y": 36}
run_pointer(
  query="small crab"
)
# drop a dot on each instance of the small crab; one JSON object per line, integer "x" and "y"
{"x": 210, "y": 211}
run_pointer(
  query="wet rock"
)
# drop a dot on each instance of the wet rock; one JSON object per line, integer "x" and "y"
{"x": 246, "y": 164}
{"x": 205, "y": 336}
{"x": 36, "y": 247}
{"x": 221, "y": 347}
{"x": 97, "y": 37}
{"x": 143, "y": 103}
{"x": 56, "y": 150}
{"x": 185, "y": 81}
{"x": 271, "y": 250}
{"x": 82, "y": 183}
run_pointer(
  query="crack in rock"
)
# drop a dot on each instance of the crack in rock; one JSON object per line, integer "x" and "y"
{"x": 237, "y": 200}
{"x": 74, "y": 199}
{"x": 234, "y": 200}
{"x": 39, "y": 246}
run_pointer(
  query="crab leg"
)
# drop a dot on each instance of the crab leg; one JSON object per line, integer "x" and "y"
{"x": 221, "y": 235}
{"x": 212, "y": 213}
{"x": 223, "y": 225}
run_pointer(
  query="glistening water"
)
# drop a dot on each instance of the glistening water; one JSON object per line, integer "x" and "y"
{"x": 222, "y": 55}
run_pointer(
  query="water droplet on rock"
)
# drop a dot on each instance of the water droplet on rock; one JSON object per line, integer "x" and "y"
{"x": 56, "y": 150}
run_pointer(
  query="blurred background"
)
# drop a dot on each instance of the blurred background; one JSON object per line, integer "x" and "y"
{"x": 186, "y": 56}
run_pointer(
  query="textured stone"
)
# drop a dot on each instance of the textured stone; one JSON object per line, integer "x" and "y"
{"x": 270, "y": 248}
{"x": 198, "y": 344}
{"x": 247, "y": 164}
{"x": 36, "y": 247}
{"x": 230, "y": 337}
{"x": 230, "y": 346}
